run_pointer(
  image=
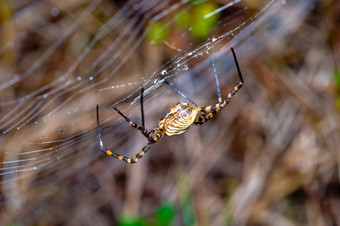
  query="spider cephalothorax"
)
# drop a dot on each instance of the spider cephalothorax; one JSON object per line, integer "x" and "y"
{"x": 177, "y": 121}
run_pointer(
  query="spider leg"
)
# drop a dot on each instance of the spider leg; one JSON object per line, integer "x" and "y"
{"x": 127, "y": 159}
{"x": 180, "y": 93}
{"x": 142, "y": 106}
{"x": 115, "y": 155}
{"x": 239, "y": 83}
{"x": 237, "y": 66}
{"x": 145, "y": 132}
{"x": 209, "y": 112}
{"x": 217, "y": 82}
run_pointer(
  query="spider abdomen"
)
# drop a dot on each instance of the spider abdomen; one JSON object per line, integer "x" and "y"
{"x": 179, "y": 120}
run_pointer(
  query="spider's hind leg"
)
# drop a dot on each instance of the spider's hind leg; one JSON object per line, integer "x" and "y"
{"x": 239, "y": 83}
{"x": 180, "y": 93}
{"x": 209, "y": 112}
{"x": 217, "y": 82}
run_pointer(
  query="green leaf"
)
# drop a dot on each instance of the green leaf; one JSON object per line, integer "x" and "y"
{"x": 157, "y": 32}
{"x": 203, "y": 25}
{"x": 183, "y": 19}
{"x": 165, "y": 214}
{"x": 336, "y": 77}
{"x": 131, "y": 221}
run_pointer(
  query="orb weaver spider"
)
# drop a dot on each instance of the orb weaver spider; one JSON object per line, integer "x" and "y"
{"x": 177, "y": 121}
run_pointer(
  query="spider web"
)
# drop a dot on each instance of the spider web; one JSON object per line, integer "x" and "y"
{"x": 60, "y": 59}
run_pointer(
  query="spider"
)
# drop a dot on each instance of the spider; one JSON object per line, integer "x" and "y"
{"x": 180, "y": 118}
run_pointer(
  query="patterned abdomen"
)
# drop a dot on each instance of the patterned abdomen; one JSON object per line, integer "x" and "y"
{"x": 179, "y": 120}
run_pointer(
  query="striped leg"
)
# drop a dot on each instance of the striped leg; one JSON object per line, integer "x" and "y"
{"x": 124, "y": 158}
{"x": 207, "y": 113}
{"x": 145, "y": 132}
{"x": 118, "y": 156}
{"x": 210, "y": 111}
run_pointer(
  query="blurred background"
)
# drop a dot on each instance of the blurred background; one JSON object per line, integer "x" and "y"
{"x": 271, "y": 157}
